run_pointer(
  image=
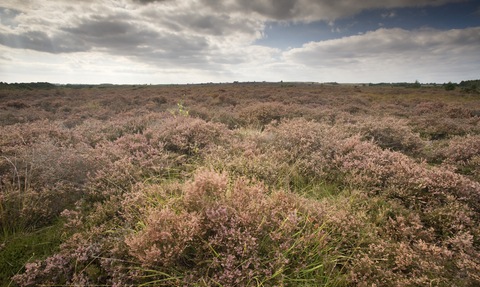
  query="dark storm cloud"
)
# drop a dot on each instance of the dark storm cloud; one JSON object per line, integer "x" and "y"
{"x": 312, "y": 10}
{"x": 121, "y": 35}
{"x": 101, "y": 28}
{"x": 214, "y": 25}
{"x": 149, "y": 1}
{"x": 304, "y": 10}
{"x": 135, "y": 40}
{"x": 41, "y": 41}
{"x": 275, "y": 9}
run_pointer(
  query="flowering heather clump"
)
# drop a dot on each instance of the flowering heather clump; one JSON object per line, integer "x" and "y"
{"x": 247, "y": 160}
{"x": 389, "y": 132}
{"x": 462, "y": 152}
{"x": 427, "y": 107}
{"x": 53, "y": 270}
{"x": 185, "y": 135}
{"x": 165, "y": 237}
{"x": 126, "y": 161}
{"x": 301, "y": 138}
{"x": 95, "y": 131}
{"x": 262, "y": 114}
{"x": 433, "y": 127}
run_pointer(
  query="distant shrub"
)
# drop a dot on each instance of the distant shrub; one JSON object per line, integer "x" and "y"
{"x": 160, "y": 100}
{"x": 436, "y": 127}
{"x": 470, "y": 90}
{"x": 450, "y": 86}
{"x": 17, "y": 104}
{"x": 416, "y": 85}
{"x": 262, "y": 114}
{"x": 427, "y": 107}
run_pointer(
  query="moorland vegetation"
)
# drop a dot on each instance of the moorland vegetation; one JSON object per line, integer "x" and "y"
{"x": 240, "y": 185}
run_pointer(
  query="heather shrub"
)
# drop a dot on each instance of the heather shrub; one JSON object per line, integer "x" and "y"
{"x": 27, "y": 134}
{"x": 299, "y": 138}
{"x": 306, "y": 148}
{"x": 445, "y": 200}
{"x": 203, "y": 113}
{"x": 369, "y": 167}
{"x": 54, "y": 270}
{"x": 427, "y": 107}
{"x": 17, "y": 105}
{"x": 166, "y": 235}
{"x": 188, "y": 136}
{"x": 127, "y": 161}
{"x": 265, "y": 156}
{"x": 460, "y": 151}
{"x": 327, "y": 115}
{"x": 434, "y": 127}
{"x": 389, "y": 132}
{"x": 94, "y": 132}
{"x": 39, "y": 180}
{"x": 262, "y": 114}
{"x": 407, "y": 249}
{"x": 251, "y": 237}
{"x": 458, "y": 111}
{"x": 247, "y": 160}
{"x": 45, "y": 162}
{"x": 228, "y": 117}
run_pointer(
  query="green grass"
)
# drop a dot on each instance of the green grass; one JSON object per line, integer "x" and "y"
{"x": 24, "y": 247}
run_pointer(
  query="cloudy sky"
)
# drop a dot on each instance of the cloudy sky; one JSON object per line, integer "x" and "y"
{"x": 195, "y": 41}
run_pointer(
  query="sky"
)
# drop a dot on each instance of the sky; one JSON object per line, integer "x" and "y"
{"x": 200, "y": 41}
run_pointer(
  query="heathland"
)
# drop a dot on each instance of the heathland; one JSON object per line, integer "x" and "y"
{"x": 240, "y": 185}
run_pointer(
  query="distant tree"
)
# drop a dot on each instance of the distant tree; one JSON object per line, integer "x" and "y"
{"x": 450, "y": 86}
{"x": 417, "y": 85}
{"x": 469, "y": 83}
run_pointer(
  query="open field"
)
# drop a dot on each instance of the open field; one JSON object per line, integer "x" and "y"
{"x": 240, "y": 185}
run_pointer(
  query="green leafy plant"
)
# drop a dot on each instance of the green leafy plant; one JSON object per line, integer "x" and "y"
{"x": 179, "y": 110}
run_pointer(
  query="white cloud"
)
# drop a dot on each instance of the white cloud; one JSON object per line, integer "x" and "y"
{"x": 391, "y": 53}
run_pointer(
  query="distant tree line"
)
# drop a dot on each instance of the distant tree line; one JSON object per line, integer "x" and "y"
{"x": 466, "y": 86}
{"x": 27, "y": 86}
{"x": 469, "y": 83}
{"x": 401, "y": 85}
